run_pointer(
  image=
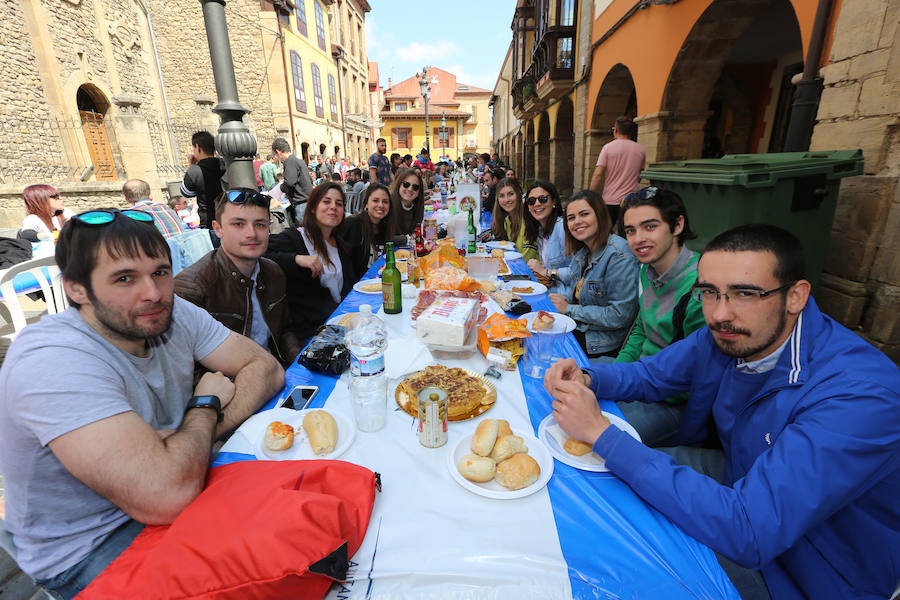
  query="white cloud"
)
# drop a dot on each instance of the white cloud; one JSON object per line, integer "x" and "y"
{"x": 427, "y": 53}
{"x": 484, "y": 79}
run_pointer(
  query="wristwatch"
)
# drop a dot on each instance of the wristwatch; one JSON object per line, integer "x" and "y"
{"x": 207, "y": 402}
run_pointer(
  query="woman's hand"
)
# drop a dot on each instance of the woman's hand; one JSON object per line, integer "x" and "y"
{"x": 536, "y": 267}
{"x": 310, "y": 262}
{"x": 559, "y": 302}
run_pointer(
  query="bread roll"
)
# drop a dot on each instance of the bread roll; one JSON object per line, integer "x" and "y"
{"x": 517, "y": 472}
{"x": 370, "y": 287}
{"x": 577, "y": 447}
{"x": 484, "y": 437}
{"x": 278, "y": 436}
{"x": 477, "y": 468}
{"x": 321, "y": 430}
{"x": 507, "y": 446}
{"x": 503, "y": 428}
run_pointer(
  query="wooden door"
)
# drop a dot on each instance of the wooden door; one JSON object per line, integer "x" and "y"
{"x": 98, "y": 145}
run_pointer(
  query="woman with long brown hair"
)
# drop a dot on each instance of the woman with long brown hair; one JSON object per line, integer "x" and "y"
{"x": 407, "y": 203}
{"x": 366, "y": 232}
{"x": 316, "y": 264}
{"x": 599, "y": 290}
{"x": 46, "y": 212}
{"x": 509, "y": 218}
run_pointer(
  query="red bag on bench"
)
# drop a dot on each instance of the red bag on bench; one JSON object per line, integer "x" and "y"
{"x": 260, "y": 529}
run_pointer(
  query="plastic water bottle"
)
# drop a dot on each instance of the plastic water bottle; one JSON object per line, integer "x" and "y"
{"x": 367, "y": 341}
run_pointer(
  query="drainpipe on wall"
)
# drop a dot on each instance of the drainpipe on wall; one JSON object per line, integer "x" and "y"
{"x": 162, "y": 84}
{"x": 287, "y": 81}
{"x": 808, "y": 90}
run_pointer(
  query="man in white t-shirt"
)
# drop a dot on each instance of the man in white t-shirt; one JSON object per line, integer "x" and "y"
{"x": 619, "y": 167}
{"x": 115, "y": 437}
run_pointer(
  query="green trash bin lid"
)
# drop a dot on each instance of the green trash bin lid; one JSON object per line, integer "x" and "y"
{"x": 757, "y": 170}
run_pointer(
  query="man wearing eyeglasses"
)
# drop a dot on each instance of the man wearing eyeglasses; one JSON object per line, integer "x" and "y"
{"x": 101, "y": 431}
{"x": 803, "y": 496}
{"x": 235, "y": 284}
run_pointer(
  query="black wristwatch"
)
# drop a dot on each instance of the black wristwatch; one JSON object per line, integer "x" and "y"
{"x": 207, "y": 402}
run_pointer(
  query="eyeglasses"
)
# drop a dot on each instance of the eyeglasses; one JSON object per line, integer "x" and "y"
{"x": 642, "y": 194}
{"x": 737, "y": 296}
{"x": 530, "y": 200}
{"x": 244, "y": 196}
{"x": 96, "y": 218}
{"x": 415, "y": 186}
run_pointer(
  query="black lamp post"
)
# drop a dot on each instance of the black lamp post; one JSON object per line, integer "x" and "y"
{"x": 234, "y": 142}
{"x": 426, "y": 92}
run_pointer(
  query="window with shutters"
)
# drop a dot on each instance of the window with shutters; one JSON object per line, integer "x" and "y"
{"x": 332, "y": 96}
{"x": 299, "y": 91}
{"x": 401, "y": 106}
{"x": 320, "y": 24}
{"x": 300, "y": 11}
{"x": 401, "y": 137}
{"x": 442, "y": 137}
{"x": 317, "y": 91}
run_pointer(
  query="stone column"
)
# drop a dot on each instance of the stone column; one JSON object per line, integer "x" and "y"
{"x": 594, "y": 139}
{"x": 205, "y": 116}
{"x": 562, "y": 164}
{"x": 133, "y": 138}
{"x": 653, "y": 135}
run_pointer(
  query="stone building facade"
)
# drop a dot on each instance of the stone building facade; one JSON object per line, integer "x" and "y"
{"x": 349, "y": 20}
{"x": 98, "y": 91}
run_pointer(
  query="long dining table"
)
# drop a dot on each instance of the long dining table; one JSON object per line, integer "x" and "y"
{"x": 584, "y": 535}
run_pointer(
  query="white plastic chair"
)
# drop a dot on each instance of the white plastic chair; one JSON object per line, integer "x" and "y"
{"x": 48, "y": 276}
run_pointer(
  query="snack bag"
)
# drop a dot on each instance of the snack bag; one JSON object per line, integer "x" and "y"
{"x": 449, "y": 278}
{"x": 442, "y": 257}
{"x": 500, "y": 340}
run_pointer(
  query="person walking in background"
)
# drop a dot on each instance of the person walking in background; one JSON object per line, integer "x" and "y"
{"x": 46, "y": 212}
{"x": 619, "y": 167}
{"x": 380, "y": 168}
{"x": 137, "y": 193}
{"x": 268, "y": 171}
{"x": 203, "y": 179}
{"x": 297, "y": 182}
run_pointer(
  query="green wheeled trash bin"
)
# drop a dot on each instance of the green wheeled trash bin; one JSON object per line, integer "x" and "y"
{"x": 794, "y": 190}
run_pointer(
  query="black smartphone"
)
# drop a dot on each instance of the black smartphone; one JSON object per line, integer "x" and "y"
{"x": 514, "y": 277}
{"x": 300, "y": 397}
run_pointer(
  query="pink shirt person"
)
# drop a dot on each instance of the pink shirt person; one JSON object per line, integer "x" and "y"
{"x": 623, "y": 161}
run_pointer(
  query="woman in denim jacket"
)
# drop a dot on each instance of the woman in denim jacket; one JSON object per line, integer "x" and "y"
{"x": 544, "y": 228}
{"x": 600, "y": 290}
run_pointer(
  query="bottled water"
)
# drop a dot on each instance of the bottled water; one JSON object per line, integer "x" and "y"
{"x": 367, "y": 341}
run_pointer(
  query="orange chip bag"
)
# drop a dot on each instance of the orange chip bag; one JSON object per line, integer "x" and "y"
{"x": 500, "y": 327}
{"x": 441, "y": 257}
{"x": 449, "y": 278}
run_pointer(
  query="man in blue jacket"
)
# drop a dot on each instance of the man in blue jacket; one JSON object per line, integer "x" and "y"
{"x": 804, "y": 494}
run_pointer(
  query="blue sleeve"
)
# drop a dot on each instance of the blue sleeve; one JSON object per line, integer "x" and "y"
{"x": 832, "y": 453}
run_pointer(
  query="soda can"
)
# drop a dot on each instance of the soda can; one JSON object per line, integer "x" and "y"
{"x": 432, "y": 417}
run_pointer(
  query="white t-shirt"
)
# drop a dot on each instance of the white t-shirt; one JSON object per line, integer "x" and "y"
{"x": 332, "y": 278}
{"x": 34, "y": 222}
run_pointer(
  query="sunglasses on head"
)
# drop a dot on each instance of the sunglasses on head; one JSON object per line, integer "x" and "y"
{"x": 105, "y": 217}
{"x": 247, "y": 196}
{"x": 56, "y": 195}
{"x": 642, "y": 194}
{"x": 531, "y": 200}
{"x": 415, "y": 186}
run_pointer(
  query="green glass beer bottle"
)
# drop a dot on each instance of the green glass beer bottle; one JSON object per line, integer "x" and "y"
{"x": 471, "y": 248}
{"x": 390, "y": 284}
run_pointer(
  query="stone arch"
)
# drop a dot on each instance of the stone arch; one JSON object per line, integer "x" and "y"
{"x": 528, "y": 152}
{"x": 732, "y": 50}
{"x": 562, "y": 147}
{"x": 93, "y": 107}
{"x": 617, "y": 97}
{"x": 542, "y": 147}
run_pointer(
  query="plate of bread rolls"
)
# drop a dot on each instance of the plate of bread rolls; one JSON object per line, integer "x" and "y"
{"x": 304, "y": 434}
{"x": 498, "y": 462}
{"x": 575, "y": 453}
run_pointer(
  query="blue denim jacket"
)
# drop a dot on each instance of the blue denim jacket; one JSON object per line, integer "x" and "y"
{"x": 609, "y": 296}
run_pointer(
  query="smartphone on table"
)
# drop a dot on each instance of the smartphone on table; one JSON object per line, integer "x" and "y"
{"x": 300, "y": 397}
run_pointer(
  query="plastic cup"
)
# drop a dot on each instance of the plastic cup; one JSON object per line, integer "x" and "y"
{"x": 539, "y": 352}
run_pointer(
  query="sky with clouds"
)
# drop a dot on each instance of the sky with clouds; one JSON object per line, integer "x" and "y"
{"x": 468, "y": 38}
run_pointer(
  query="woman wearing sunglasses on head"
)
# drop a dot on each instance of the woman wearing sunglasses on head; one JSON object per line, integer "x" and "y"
{"x": 508, "y": 223}
{"x": 407, "y": 203}
{"x": 543, "y": 224}
{"x": 599, "y": 290}
{"x": 366, "y": 232}
{"x": 315, "y": 262}
{"x": 46, "y": 212}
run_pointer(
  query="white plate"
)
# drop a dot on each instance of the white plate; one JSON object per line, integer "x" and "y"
{"x": 492, "y": 489}
{"x": 536, "y": 288}
{"x": 586, "y": 462}
{"x": 358, "y": 285}
{"x": 337, "y": 318}
{"x": 505, "y": 245}
{"x": 562, "y": 324}
{"x": 301, "y": 450}
{"x": 404, "y": 276}
{"x": 512, "y": 254}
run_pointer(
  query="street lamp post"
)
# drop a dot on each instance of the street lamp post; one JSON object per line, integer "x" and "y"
{"x": 443, "y": 133}
{"x": 426, "y": 92}
{"x": 234, "y": 142}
